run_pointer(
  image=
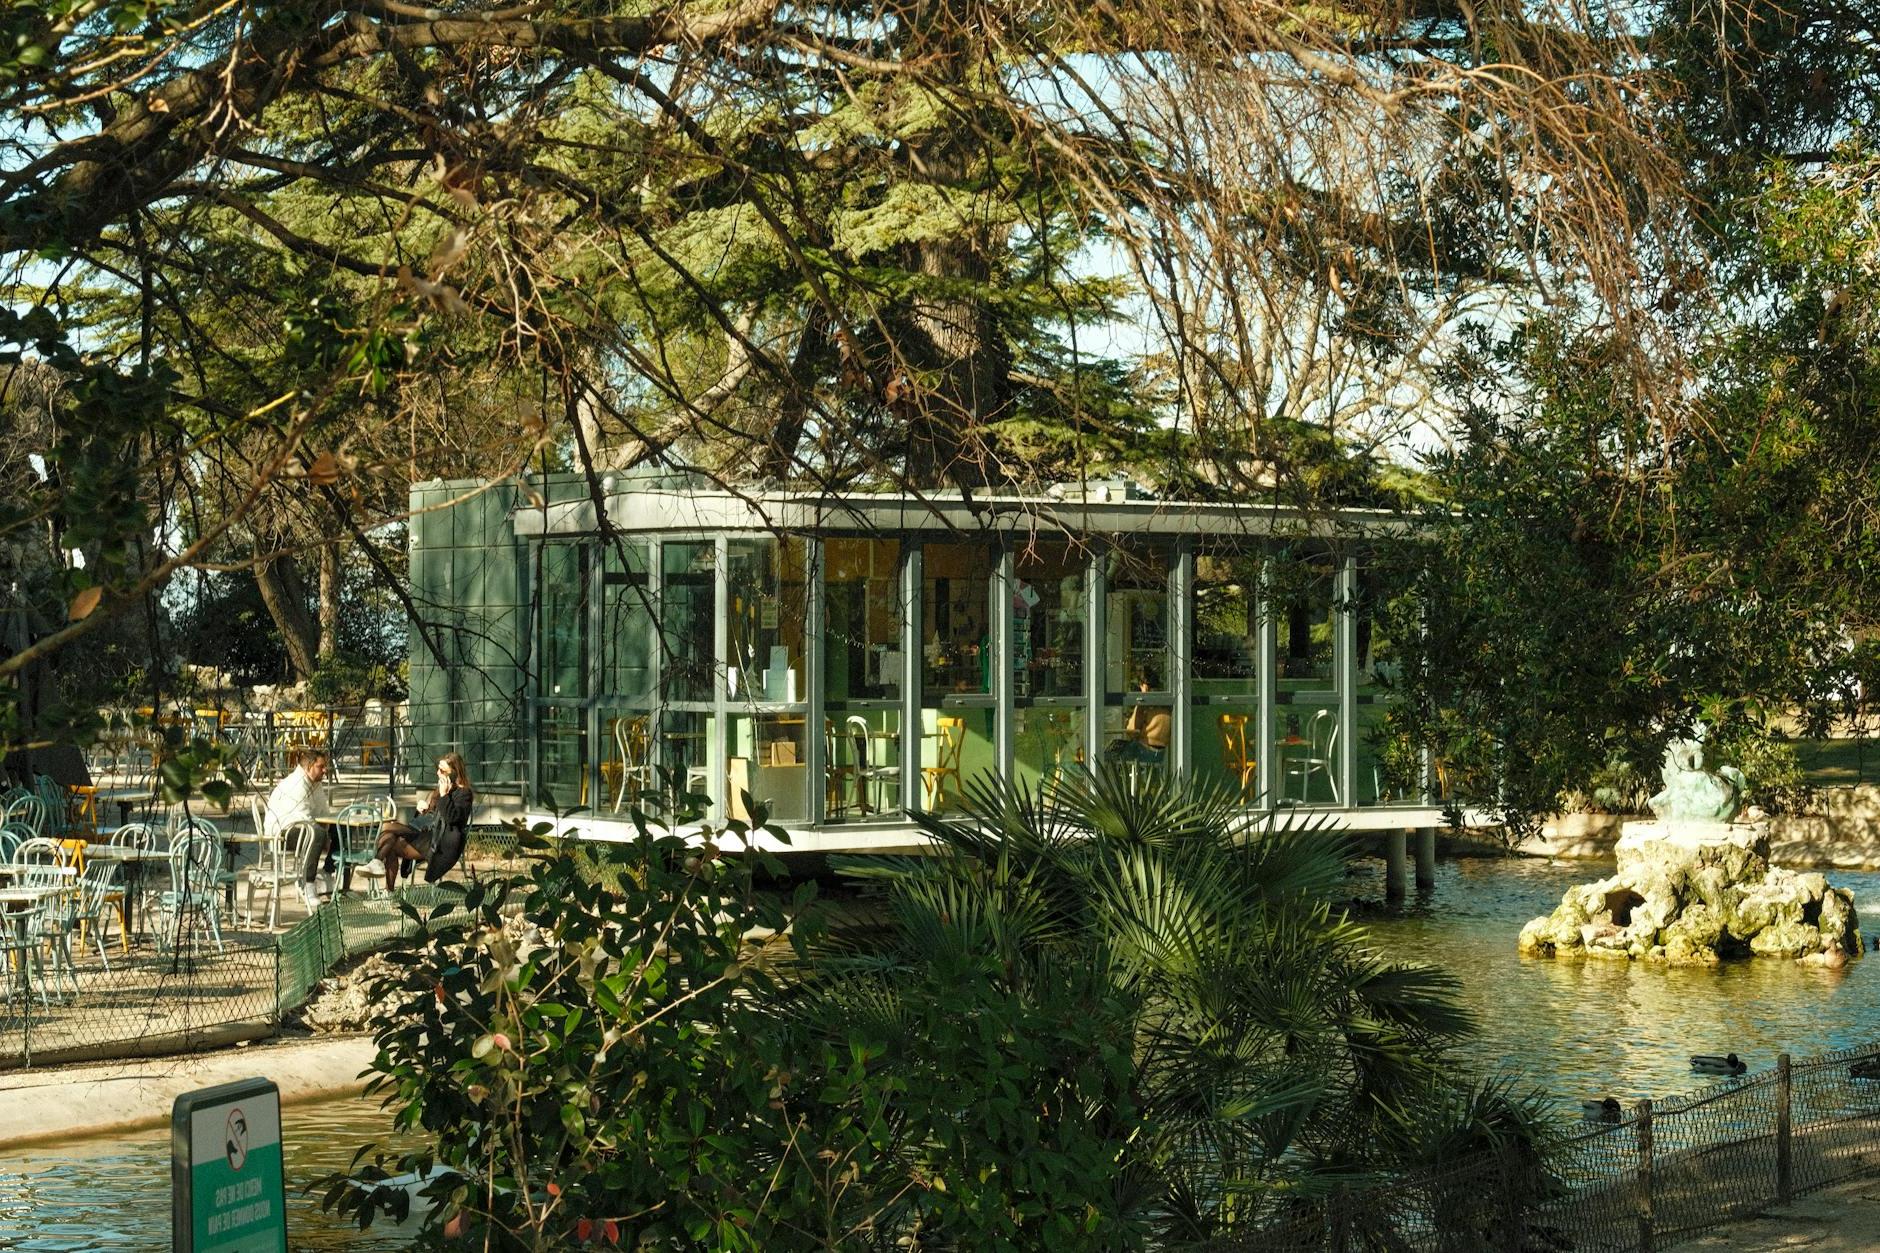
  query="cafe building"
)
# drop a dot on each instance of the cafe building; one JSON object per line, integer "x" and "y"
{"x": 845, "y": 659}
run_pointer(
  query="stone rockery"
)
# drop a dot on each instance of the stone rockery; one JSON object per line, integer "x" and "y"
{"x": 1696, "y": 887}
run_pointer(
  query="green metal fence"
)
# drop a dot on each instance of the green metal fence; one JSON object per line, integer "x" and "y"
{"x": 1662, "y": 1172}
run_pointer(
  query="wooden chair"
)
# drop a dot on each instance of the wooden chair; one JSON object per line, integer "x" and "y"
{"x": 836, "y": 772}
{"x": 629, "y": 775}
{"x": 951, "y": 732}
{"x": 1234, "y": 754}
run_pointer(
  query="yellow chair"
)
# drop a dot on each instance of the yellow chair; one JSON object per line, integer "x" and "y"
{"x": 951, "y": 732}
{"x": 1234, "y": 754}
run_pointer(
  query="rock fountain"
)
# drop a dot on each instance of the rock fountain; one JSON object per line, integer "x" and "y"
{"x": 1695, "y": 886}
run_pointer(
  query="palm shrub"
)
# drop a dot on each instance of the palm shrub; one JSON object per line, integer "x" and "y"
{"x": 1110, "y": 1016}
{"x": 584, "y": 1056}
{"x": 1237, "y": 1043}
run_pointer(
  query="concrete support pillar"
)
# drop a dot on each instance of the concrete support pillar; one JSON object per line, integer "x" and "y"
{"x": 1426, "y": 858}
{"x": 1394, "y": 848}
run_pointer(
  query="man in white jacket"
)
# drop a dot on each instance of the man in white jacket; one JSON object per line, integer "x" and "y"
{"x": 301, "y": 797}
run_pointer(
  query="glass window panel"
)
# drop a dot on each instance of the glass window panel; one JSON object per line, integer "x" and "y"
{"x": 1048, "y": 622}
{"x": 563, "y": 627}
{"x": 767, "y": 620}
{"x": 627, "y": 620}
{"x": 956, "y": 645}
{"x": 1047, "y": 743}
{"x": 1304, "y": 589}
{"x": 1225, "y": 698}
{"x": 862, "y": 617}
{"x": 1048, "y": 649}
{"x": 561, "y": 756}
{"x": 686, "y": 759}
{"x": 768, "y": 760}
{"x": 629, "y": 777}
{"x": 687, "y": 625}
{"x": 1303, "y": 585}
{"x": 1389, "y": 765}
{"x": 1135, "y": 621}
{"x": 1137, "y": 721}
{"x": 956, "y": 747}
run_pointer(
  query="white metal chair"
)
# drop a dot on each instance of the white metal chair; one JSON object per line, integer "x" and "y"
{"x": 43, "y": 860}
{"x": 1320, "y": 757}
{"x": 97, "y": 897}
{"x": 868, "y": 774}
{"x": 359, "y": 845}
{"x": 44, "y": 863}
{"x": 131, "y": 876}
{"x": 195, "y": 862}
{"x": 279, "y": 867}
{"x": 26, "y": 810}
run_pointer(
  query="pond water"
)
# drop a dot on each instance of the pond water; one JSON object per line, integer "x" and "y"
{"x": 1574, "y": 1029}
{"x": 115, "y": 1194}
{"x": 1582, "y": 1029}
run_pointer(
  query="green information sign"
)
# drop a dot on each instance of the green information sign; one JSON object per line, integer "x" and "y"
{"x": 226, "y": 1190}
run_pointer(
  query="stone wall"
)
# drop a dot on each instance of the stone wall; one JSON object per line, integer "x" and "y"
{"x": 1843, "y": 834}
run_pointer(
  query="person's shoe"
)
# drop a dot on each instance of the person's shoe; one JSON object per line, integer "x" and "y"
{"x": 324, "y": 886}
{"x": 311, "y": 899}
{"x": 374, "y": 868}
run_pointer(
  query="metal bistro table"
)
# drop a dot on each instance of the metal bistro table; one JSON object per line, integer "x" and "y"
{"x": 18, "y": 907}
{"x": 231, "y": 847}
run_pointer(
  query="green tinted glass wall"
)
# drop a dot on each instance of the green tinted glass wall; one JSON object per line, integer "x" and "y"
{"x": 467, "y": 588}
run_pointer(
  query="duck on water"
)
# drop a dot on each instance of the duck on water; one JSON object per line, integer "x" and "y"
{"x": 1711, "y": 1064}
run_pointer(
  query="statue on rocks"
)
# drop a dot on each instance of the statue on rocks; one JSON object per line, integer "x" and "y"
{"x": 1694, "y": 794}
{"x": 1694, "y": 887}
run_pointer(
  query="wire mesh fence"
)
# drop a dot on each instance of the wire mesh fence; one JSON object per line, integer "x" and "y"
{"x": 1661, "y": 1172}
{"x": 116, "y": 998}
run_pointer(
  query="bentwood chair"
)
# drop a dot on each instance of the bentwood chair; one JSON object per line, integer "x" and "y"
{"x": 137, "y": 837}
{"x": 951, "y": 733}
{"x": 98, "y": 896}
{"x": 44, "y": 864}
{"x": 26, "y": 810}
{"x": 1235, "y": 754}
{"x": 195, "y": 892}
{"x": 279, "y": 867}
{"x": 358, "y": 825}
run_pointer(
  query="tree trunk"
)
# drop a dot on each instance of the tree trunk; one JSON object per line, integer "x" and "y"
{"x": 329, "y": 599}
{"x": 812, "y": 346}
{"x": 285, "y": 595}
{"x": 956, "y": 345}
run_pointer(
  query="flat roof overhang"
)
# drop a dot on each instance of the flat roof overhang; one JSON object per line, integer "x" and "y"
{"x": 656, "y": 510}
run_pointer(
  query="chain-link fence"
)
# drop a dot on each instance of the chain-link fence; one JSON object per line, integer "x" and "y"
{"x": 137, "y": 1000}
{"x": 1663, "y": 1171}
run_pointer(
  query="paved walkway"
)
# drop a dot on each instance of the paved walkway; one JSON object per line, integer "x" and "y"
{"x": 72, "y": 1101}
{"x": 1841, "y": 1218}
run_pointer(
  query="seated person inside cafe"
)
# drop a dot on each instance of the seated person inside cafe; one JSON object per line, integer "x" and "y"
{"x": 1146, "y": 730}
{"x": 435, "y": 834}
{"x": 301, "y": 797}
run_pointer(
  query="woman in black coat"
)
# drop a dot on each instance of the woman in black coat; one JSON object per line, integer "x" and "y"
{"x": 436, "y": 833}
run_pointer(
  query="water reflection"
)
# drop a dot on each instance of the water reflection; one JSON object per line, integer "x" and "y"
{"x": 114, "y": 1192}
{"x": 1593, "y": 1028}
